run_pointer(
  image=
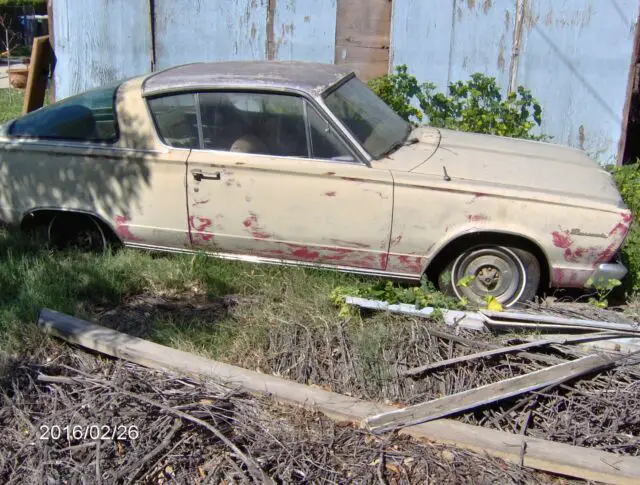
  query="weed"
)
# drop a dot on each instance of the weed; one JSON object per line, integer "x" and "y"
{"x": 602, "y": 291}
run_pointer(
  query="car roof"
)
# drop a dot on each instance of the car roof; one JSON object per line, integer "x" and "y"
{"x": 310, "y": 77}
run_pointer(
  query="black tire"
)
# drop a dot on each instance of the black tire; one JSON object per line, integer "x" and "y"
{"x": 76, "y": 231}
{"x": 511, "y": 275}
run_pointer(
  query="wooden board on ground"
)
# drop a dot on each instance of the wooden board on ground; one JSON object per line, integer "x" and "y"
{"x": 585, "y": 463}
{"x": 514, "y": 319}
{"x": 472, "y": 398}
{"x": 363, "y": 35}
{"x": 38, "y": 75}
{"x": 416, "y": 371}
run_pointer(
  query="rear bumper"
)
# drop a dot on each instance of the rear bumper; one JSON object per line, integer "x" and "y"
{"x": 608, "y": 271}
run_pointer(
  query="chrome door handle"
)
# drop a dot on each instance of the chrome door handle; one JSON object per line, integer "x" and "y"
{"x": 199, "y": 176}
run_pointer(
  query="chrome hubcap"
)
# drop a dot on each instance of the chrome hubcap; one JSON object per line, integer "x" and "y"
{"x": 490, "y": 271}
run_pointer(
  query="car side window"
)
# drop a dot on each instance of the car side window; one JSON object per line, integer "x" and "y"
{"x": 176, "y": 120}
{"x": 325, "y": 144}
{"x": 267, "y": 124}
{"x": 86, "y": 117}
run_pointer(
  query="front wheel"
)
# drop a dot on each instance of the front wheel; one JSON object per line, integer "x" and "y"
{"x": 510, "y": 275}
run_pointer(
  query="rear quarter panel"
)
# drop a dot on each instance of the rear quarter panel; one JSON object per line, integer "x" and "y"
{"x": 136, "y": 185}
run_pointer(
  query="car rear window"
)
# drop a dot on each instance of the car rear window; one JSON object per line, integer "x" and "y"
{"x": 86, "y": 117}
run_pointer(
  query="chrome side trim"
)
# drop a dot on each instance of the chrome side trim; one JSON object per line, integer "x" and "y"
{"x": 284, "y": 262}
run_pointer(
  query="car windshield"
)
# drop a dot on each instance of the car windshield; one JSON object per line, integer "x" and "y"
{"x": 371, "y": 121}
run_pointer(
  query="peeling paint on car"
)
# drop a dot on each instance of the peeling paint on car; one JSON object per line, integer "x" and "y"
{"x": 199, "y": 226}
{"x": 331, "y": 193}
{"x": 123, "y": 230}
{"x": 253, "y": 225}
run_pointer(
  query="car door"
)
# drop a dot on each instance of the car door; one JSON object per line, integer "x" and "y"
{"x": 273, "y": 180}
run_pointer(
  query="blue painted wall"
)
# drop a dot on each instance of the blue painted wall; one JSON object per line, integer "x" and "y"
{"x": 99, "y": 41}
{"x": 305, "y": 30}
{"x": 209, "y": 30}
{"x": 574, "y": 56}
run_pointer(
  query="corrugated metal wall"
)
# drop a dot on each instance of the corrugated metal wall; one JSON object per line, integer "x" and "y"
{"x": 99, "y": 41}
{"x": 573, "y": 54}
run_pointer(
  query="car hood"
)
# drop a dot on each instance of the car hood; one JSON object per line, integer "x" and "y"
{"x": 506, "y": 163}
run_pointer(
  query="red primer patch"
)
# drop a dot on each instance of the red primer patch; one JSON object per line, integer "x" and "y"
{"x": 304, "y": 253}
{"x": 384, "y": 260}
{"x": 122, "y": 229}
{"x": 557, "y": 275}
{"x": 478, "y": 218}
{"x": 412, "y": 264}
{"x": 330, "y": 194}
{"x": 561, "y": 239}
{"x": 200, "y": 227}
{"x": 251, "y": 223}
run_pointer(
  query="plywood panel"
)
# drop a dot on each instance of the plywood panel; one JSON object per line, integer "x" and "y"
{"x": 99, "y": 41}
{"x": 362, "y": 36}
{"x": 575, "y": 58}
{"x": 209, "y": 30}
{"x": 304, "y": 30}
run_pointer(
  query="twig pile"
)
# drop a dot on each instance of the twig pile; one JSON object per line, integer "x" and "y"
{"x": 192, "y": 432}
{"x": 598, "y": 411}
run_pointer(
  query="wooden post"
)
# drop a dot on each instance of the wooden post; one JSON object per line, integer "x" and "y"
{"x": 52, "y": 44}
{"x": 38, "y": 75}
{"x": 363, "y": 36}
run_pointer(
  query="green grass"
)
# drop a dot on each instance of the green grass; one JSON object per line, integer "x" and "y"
{"x": 284, "y": 322}
{"x": 10, "y": 104}
{"x": 83, "y": 284}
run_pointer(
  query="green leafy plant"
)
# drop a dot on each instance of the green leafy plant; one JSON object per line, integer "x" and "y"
{"x": 421, "y": 296}
{"x": 478, "y": 106}
{"x": 475, "y": 106}
{"x": 602, "y": 291}
{"x": 627, "y": 179}
{"x": 398, "y": 90}
{"x": 466, "y": 281}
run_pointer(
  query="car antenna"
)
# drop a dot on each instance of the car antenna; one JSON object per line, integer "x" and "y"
{"x": 446, "y": 175}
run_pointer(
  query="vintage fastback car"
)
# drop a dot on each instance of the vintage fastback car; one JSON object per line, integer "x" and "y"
{"x": 301, "y": 163}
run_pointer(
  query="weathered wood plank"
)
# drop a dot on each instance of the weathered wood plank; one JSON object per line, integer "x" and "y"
{"x": 513, "y": 318}
{"x": 38, "y": 75}
{"x": 416, "y": 371}
{"x": 363, "y": 36}
{"x": 472, "y": 398}
{"x": 589, "y": 464}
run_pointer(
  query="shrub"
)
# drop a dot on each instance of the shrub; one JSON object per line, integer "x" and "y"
{"x": 627, "y": 179}
{"x": 398, "y": 90}
{"x": 475, "y": 106}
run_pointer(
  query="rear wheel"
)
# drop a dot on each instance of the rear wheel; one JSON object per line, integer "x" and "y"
{"x": 508, "y": 274}
{"x": 74, "y": 231}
